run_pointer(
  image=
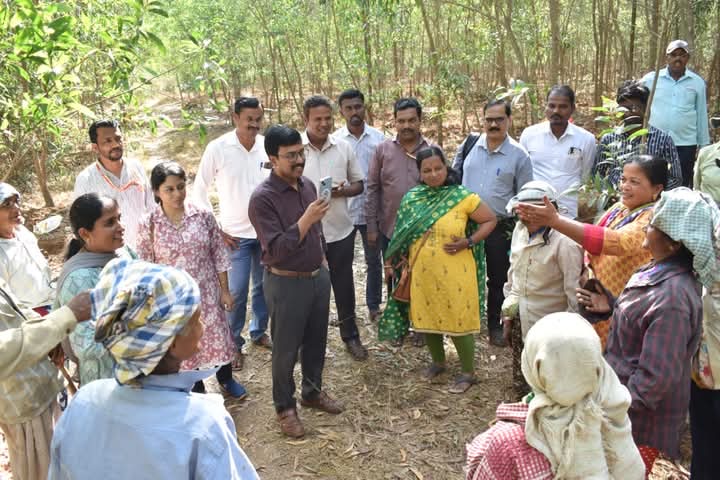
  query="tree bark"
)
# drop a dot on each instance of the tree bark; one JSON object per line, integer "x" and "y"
{"x": 555, "y": 73}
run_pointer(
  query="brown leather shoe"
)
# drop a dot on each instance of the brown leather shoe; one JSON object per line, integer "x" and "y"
{"x": 290, "y": 423}
{"x": 323, "y": 402}
{"x": 356, "y": 349}
{"x": 264, "y": 341}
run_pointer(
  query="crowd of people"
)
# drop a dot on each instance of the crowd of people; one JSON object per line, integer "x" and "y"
{"x": 614, "y": 326}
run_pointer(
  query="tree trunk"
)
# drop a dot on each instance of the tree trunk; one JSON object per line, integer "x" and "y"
{"x": 555, "y": 73}
{"x": 629, "y": 66}
{"x": 40, "y": 160}
{"x": 365, "y": 19}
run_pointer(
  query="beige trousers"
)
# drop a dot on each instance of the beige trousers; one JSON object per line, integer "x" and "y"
{"x": 29, "y": 445}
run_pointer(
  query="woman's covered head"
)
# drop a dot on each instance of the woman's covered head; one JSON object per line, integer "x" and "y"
{"x": 534, "y": 193}
{"x": 434, "y": 169}
{"x": 578, "y": 415}
{"x": 95, "y": 223}
{"x": 146, "y": 314}
{"x": 642, "y": 180}
{"x": 168, "y": 181}
{"x": 690, "y": 220}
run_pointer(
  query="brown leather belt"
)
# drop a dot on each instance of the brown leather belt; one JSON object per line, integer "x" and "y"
{"x": 291, "y": 274}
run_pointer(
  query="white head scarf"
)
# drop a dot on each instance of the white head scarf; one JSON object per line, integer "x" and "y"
{"x": 578, "y": 416}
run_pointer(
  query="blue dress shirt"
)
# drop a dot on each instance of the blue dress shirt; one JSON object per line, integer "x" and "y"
{"x": 160, "y": 431}
{"x": 680, "y": 107}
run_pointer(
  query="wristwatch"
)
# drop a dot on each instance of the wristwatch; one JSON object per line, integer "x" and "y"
{"x": 470, "y": 242}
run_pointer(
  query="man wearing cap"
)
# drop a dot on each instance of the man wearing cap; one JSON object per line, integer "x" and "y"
{"x": 22, "y": 265}
{"x": 29, "y": 382}
{"x": 495, "y": 167}
{"x": 679, "y": 106}
{"x": 287, "y": 215}
{"x": 146, "y": 422}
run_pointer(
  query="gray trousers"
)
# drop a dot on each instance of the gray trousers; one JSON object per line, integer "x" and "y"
{"x": 298, "y": 309}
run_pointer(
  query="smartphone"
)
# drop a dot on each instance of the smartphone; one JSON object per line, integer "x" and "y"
{"x": 325, "y": 188}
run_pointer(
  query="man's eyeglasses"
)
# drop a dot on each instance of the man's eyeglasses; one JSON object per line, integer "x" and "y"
{"x": 497, "y": 120}
{"x": 292, "y": 156}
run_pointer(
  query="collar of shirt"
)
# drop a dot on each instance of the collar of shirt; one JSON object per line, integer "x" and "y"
{"x": 666, "y": 73}
{"x": 482, "y": 143}
{"x": 158, "y": 215}
{"x": 111, "y": 175}
{"x": 180, "y": 381}
{"x": 569, "y": 131}
{"x": 281, "y": 185}
{"x": 234, "y": 141}
{"x": 417, "y": 145}
{"x": 657, "y": 272}
{"x": 345, "y": 132}
{"x": 329, "y": 142}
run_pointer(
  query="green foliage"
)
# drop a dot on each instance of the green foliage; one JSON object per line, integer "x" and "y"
{"x": 61, "y": 65}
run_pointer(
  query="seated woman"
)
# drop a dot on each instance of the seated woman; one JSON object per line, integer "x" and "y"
{"x": 614, "y": 245}
{"x": 436, "y": 232}
{"x": 657, "y": 318}
{"x": 97, "y": 239}
{"x": 179, "y": 234}
{"x": 574, "y": 424}
{"x": 145, "y": 422}
{"x": 544, "y": 272}
{"x": 22, "y": 265}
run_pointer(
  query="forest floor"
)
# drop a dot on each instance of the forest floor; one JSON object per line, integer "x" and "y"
{"x": 395, "y": 425}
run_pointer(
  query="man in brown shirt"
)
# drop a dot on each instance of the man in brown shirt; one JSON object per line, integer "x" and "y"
{"x": 393, "y": 171}
{"x": 286, "y": 214}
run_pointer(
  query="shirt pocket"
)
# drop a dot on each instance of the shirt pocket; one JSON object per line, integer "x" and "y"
{"x": 685, "y": 98}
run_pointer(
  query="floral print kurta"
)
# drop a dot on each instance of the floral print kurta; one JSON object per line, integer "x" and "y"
{"x": 197, "y": 247}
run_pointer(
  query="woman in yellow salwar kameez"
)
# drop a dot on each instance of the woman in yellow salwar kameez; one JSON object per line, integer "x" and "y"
{"x": 440, "y": 228}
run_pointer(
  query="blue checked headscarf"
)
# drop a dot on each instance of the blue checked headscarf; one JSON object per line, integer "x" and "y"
{"x": 693, "y": 219}
{"x": 140, "y": 308}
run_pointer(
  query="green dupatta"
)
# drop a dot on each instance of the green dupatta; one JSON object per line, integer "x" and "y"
{"x": 420, "y": 208}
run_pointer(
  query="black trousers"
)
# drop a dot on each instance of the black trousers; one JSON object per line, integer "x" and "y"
{"x": 298, "y": 309}
{"x": 705, "y": 431}
{"x": 340, "y": 257}
{"x": 686, "y": 153}
{"x": 497, "y": 258}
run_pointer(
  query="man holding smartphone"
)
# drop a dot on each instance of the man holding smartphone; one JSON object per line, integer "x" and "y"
{"x": 286, "y": 213}
{"x": 326, "y": 156}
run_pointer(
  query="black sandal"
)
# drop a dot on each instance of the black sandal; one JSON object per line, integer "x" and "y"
{"x": 433, "y": 371}
{"x": 463, "y": 383}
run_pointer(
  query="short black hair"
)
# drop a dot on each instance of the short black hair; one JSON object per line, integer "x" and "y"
{"x": 496, "y": 102}
{"x": 633, "y": 90}
{"x": 405, "y": 103}
{"x": 655, "y": 168}
{"x": 349, "y": 94}
{"x": 315, "y": 101}
{"x": 278, "y": 136}
{"x": 453, "y": 177}
{"x": 105, "y": 123}
{"x": 161, "y": 172}
{"x": 563, "y": 90}
{"x": 245, "y": 102}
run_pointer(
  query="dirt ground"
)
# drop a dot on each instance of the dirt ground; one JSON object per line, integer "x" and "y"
{"x": 395, "y": 425}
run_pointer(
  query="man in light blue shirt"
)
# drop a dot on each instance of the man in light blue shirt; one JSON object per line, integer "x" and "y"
{"x": 679, "y": 106}
{"x": 495, "y": 168}
{"x": 146, "y": 423}
{"x": 364, "y": 139}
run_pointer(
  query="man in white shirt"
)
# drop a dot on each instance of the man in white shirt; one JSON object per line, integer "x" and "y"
{"x": 326, "y": 156}
{"x": 236, "y": 162}
{"x": 122, "y": 179}
{"x": 364, "y": 139}
{"x": 562, "y": 154}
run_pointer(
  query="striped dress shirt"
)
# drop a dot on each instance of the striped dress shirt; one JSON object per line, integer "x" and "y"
{"x": 619, "y": 146}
